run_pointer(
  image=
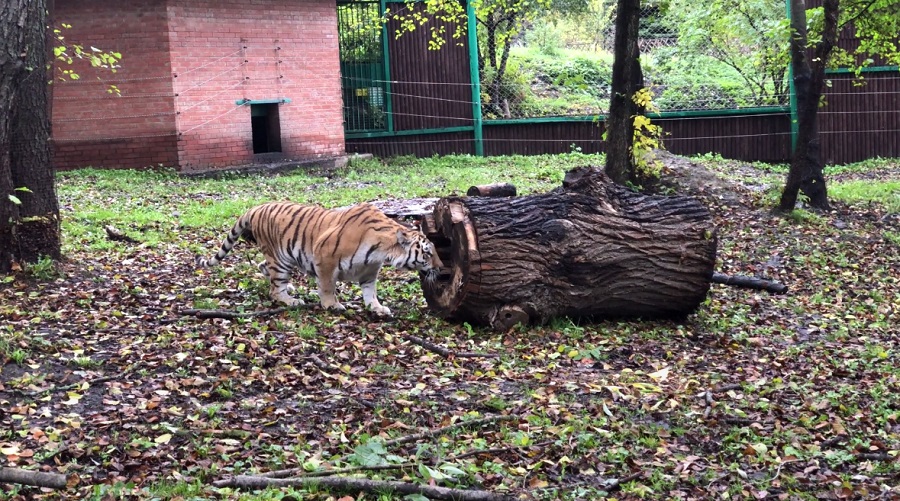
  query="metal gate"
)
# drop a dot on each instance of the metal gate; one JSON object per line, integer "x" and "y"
{"x": 363, "y": 66}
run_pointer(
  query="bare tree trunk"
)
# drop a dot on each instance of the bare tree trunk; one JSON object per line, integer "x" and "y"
{"x": 13, "y": 23}
{"x": 806, "y": 173}
{"x": 627, "y": 79}
{"x": 30, "y": 228}
{"x": 31, "y": 164}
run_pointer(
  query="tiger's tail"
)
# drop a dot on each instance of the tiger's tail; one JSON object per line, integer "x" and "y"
{"x": 239, "y": 229}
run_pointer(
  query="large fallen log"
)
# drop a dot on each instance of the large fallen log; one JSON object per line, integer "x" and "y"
{"x": 588, "y": 249}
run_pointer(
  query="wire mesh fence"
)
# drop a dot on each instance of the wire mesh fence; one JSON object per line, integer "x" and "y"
{"x": 559, "y": 64}
{"x": 693, "y": 57}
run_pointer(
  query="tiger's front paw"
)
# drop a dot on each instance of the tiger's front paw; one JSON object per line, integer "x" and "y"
{"x": 336, "y": 307}
{"x": 382, "y": 311}
{"x": 288, "y": 300}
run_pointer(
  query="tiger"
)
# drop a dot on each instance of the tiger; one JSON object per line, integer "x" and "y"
{"x": 347, "y": 244}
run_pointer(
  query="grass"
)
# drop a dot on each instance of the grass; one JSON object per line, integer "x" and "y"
{"x": 802, "y": 386}
{"x": 156, "y": 206}
{"x": 886, "y": 193}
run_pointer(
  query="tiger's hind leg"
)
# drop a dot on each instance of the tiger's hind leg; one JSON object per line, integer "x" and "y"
{"x": 264, "y": 269}
{"x": 280, "y": 283}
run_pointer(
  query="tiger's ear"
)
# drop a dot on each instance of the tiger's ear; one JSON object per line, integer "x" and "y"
{"x": 402, "y": 238}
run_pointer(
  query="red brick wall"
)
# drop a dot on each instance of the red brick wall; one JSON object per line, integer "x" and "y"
{"x": 185, "y": 64}
{"x": 228, "y": 50}
{"x": 94, "y": 128}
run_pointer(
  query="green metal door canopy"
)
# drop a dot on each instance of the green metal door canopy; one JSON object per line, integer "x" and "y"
{"x": 242, "y": 102}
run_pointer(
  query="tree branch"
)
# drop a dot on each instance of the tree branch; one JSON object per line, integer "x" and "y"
{"x": 444, "y": 352}
{"x": 231, "y": 315}
{"x": 35, "y": 478}
{"x": 858, "y": 14}
{"x": 749, "y": 283}
{"x": 439, "y": 431}
{"x": 362, "y": 485}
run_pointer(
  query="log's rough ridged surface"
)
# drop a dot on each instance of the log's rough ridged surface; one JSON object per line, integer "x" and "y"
{"x": 588, "y": 249}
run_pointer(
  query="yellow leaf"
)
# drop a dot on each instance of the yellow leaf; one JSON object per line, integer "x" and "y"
{"x": 9, "y": 450}
{"x": 163, "y": 439}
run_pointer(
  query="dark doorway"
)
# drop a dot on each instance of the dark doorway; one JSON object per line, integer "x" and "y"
{"x": 266, "y": 128}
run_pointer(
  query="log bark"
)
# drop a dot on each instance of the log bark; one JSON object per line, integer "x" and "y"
{"x": 589, "y": 249}
{"x": 492, "y": 190}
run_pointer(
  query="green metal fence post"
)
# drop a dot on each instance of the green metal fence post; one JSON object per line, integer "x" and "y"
{"x": 475, "y": 76}
{"x": 792, "y": 92}
{"x": 386, "y": 61}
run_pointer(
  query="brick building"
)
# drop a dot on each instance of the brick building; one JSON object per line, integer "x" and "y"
{"x": 204, "y": 84}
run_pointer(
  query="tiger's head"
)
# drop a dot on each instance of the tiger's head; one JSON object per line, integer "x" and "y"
{"x": 418, "y": 254}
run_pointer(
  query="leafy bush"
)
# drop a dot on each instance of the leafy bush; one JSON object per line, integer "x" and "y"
{"x": 545, "y": 37}
{"x": 574, "y": 83}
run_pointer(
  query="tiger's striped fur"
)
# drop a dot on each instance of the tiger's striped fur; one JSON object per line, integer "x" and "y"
{"x": 348, "y": 244}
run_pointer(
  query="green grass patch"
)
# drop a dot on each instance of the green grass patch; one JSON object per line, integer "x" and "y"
{"x": 886, "y": 193}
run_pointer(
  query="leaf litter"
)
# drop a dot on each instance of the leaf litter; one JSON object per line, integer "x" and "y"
{"x": 753, "y": 396}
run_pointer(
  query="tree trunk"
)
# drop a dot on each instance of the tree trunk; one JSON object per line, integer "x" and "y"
{"x": 806, "y": 172}
{"x": 31, "y": 165}
{"x": 13, "y": 24}
{"x": 627, "y": 79}
{"x": 29, "y": 229}
{"x": 589, "y": 249}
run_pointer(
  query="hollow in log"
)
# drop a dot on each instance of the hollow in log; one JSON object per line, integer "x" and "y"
{"x": 588, "y": 249}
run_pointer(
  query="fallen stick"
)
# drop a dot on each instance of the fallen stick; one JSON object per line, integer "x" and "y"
{"x": 290, "y": 472}
{"x": 230, "y": 315}
{"x": 749, "y": 283}
{"x": 495, "y": 450}
{"x": 438, "y": 431}
{"x": 35, "y": 478}
{"x": 351, "y": 469}
{"x": 362, "y": 485}
{"x": 444, "y": 352}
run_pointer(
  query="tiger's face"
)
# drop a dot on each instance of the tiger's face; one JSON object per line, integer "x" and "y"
{"x": 419, "y": 255}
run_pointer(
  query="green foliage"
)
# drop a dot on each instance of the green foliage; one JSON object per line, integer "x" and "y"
{"x": 44, "y": 269}
{"x": 359, "y": 32}
{"x": 545, "y": 37}
{"x": 876, "y": 25}
{"x": 14, "y": 199}
{"x": 647, "y": 138}
{"x": 69, "y": 52}
{"x": 573, "y": 83}
{"x": 439, "y": 14}
{"x": 372, "y": 453}
{"x": 750, "y": 39}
